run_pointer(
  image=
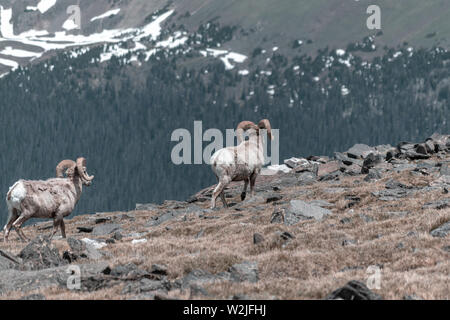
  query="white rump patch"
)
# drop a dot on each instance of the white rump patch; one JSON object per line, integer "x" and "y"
{"x": 18, "y": 193}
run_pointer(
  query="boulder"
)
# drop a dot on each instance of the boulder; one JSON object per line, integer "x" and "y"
{"x": 246, "y": 271}
{"x": 359, "y": 151}
{"x": 327, "y": 168}
{"x": 441, "y": 231}
{"x": 39, "y": 254}
{"x": 353, "y": 290}
{"x": 300, "y": 210}
{"x": 105, "y": 229}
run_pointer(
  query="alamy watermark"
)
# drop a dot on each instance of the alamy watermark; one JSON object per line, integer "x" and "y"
{"x": 374, "y": 279}
{"x": 74, "y": 279}
{"x": 190, "y": 149}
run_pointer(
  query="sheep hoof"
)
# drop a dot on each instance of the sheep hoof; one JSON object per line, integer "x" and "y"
{"x": 243, "y": 195}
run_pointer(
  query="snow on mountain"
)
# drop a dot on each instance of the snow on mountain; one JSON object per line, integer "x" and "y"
{"x": 107, "y": 14}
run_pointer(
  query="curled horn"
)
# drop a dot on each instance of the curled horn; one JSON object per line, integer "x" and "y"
{"x": 81, "y": 165}
{"x": 265, "y": 124}
{"x": 63, "y": 165}
{"x": 242, "y": 127}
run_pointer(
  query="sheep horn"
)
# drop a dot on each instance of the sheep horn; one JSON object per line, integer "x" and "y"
{"x": 265, "y": 124}
{"x": 242, "y": 127}
{"x": 63, "y": 165}
{"x": 81, "y": 162}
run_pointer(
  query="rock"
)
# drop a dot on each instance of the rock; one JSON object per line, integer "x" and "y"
{"x": 348, "y": 242}
{"x": 369, "y": 162}
{"x": 77, "y": 246}
{"x": 274, "y": 198}
{"x": 146, "y": 285}
{"x": 196, "y": 290}
{"x": 438, "y": 205}
{"x": 421, "y": 148}
{"x": 240, "y": 297}
{"x": 117, "y": 236}
{"x": 348, "y": 161}
{"x": 159, "y": 269}
{"x": 412, "y": 297}
{"x": 321, "y": 203}
{"x": 366, "y": 218}
{"x": 295, "y": 162}
{"x": 39, "y": 254}
{"x": 391, "y": 194}
{"x": 359, "y": 151}
{"x": 305, "y": 178}
{"x": 102, "y": 220}
{"x": 105, "y": 229}
{"x": 277, "y": 217}
{"x": 246, "y": 271}
{"x": 441, "y": 231}
{"x": 36, "y": 296}
{"x": 286, "y": 236}
{"x": 146, "y": 206}
{"x": 8, "y": 261}
{"x": 444, "y": 170}
{"x": 85, "y": 229}
{"x": 345, "y": 220}
{"x": 373, "y": 174}
{"x": 353, "y": 290}
{"x": 328, "y": 168}
{"x": 199, "y": 276}
{"x": 14, "y": 280}
{"x": 413, "y": 155}
{"x": 258, "y": 238}
{"x": 393, "y": 184}
{"x": 300, "y": 210}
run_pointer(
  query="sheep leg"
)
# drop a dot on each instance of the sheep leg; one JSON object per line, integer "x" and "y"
{"x": 56, "y": 223}
{"x": 218, "y": 191}
{"x": 222, "y": 196}
{"x": 252, "y": 183}
{"x": 244, "y": 192}
{"x": 62, "y": 226}
{"x": 18, "y": 224}
{"x": 8, "y": 226}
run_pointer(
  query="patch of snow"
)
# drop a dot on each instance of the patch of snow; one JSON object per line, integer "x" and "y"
{"x": 94, "y": 243}
{"x": 45, "y": 5}
{"x": 107, "y": 14}
{"x": 340, "y": 52}
{"x": 6, "y": 27}
{"x": 137, "y": 241}
{"x": 397, "y": 54}
{"x": 9, "y": 51}
{"x": 69, "y": 24}
{"x": 275, "y": 49}
{"x": 344, "y": 90}
{"x": 243, "y": 72}
{"x": 9, "y": 63}
{"x": 296, "y": 68}
{"x": 316, "y": 79}
{"x": 280, "y": 167}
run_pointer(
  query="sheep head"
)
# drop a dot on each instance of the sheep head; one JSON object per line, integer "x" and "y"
{"x": 72, "y": 168}
{"x": 254, "y": 129}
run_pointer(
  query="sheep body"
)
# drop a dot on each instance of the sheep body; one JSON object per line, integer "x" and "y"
{"x": 240, "y": 163}
{"x": 53, "y": 198}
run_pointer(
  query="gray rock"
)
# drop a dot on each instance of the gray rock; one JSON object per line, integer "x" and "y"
{"x": 199, "y": 276}
{"x": 8, "y": 261}
{"x": 439, "y": 204}
{"x": 373, "y": 174}
{"x": 444, "y": 170}
{"x": 258, "y": 238}
{"x": 348, "y": 242}
{"x": 277, "y": 217}
{"x": 85, "y": 229}
{"x": 36, "y": 296}
{"x": 146, "y": 206}
{"x": 391, "y": 194}
{"x": 360, "y": 151}
{"x": 300, "y": 210}
{"x": 321, "y": 203}
{"x": 274, "y": 198}
{"x": 353, "y": 290}
{"x": 105, "y": 229}
{"x": 246, "y": 271}
{"x": 159, "y": 269}
{"x": 146, "y": 285}
{"x": 14, "y": 280}
{"x": 39, "y": 254}
{"x": 412, "y": 297}
{"x": 441, "y": 231}
{"x": 129, "y": 270}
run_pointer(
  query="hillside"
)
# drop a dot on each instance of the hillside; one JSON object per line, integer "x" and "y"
{"x": 305, "y": 234}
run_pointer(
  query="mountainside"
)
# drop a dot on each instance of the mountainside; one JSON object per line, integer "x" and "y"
{"x": 373, "y": 224}
{"x": 115, "y": 90}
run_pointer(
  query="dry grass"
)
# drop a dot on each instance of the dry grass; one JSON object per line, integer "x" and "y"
{"x": 310, "y": 266}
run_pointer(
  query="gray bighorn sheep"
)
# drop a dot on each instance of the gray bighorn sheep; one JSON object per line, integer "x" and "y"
{"x": 240, "y": 163}
{"x": 54, "y": 198}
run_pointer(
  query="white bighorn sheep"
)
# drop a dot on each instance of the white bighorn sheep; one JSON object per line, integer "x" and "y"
{"x": 54, "y": 198}
{"x": 240, "y": 163}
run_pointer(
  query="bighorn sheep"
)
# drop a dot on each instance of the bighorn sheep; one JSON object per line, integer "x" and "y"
{"x": 54, "y": 198}
{"x": 242, "y": 162}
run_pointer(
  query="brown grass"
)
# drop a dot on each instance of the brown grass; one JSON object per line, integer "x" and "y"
{"x": 310, "y": 266}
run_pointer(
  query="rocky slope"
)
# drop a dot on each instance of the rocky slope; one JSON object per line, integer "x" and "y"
{"x": 321, "y": 225}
